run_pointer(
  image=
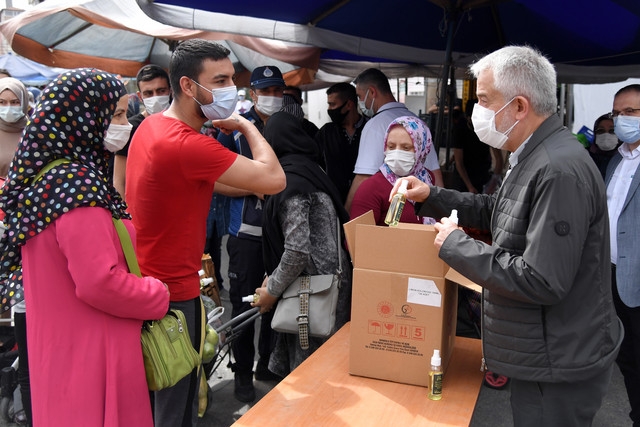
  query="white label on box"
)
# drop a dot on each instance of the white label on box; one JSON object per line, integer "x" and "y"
{"x": 424, "y": 292}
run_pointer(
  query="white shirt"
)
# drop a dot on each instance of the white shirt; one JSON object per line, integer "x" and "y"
{"x": 371, "y": 150}
{"x": 242, "y": 106}
{"x": 617, "y": 192}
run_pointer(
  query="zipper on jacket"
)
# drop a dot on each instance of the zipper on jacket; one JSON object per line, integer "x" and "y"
{"x": 483, "y": 364}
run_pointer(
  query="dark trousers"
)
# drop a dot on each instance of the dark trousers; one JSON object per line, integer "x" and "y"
{"x": 214, "y": 249}
{"x": 20, "y": 329}
{"x": 177, "y": 406}
{"x": 575, "y": 404}
{"x": 629, "y": 357}
{"x": 246, "y": 273}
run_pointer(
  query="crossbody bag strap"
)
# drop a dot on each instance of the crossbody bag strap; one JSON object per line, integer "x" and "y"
{"x": 339, "y": 240}
{"x": 49, "y": 166}
{"x": 304, "y": 294}
{"x": 134, "y": 267}
{"x": 127, "y": 247}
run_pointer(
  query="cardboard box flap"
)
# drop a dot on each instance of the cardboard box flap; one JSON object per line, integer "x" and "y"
{"x": 350, "y": 231}
{"x": 458, "y": 278}
{"x": 399, "y": 250}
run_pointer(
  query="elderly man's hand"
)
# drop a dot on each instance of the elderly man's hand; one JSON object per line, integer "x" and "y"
{"x": 417, "y": 190}
{"x": 444, "y": 228}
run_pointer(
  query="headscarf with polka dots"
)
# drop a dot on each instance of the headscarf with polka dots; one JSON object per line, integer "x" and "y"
{"x": 69, "y": 122}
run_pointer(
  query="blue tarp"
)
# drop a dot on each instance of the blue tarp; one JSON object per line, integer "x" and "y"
{"x": 27, "y": 71}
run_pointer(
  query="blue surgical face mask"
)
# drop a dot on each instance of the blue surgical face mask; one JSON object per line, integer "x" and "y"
{"x": 223, "y": 105}
{"x": 11, "y": 114}
{"x": 627, "y": 128}
{"x": 368, "y": 112}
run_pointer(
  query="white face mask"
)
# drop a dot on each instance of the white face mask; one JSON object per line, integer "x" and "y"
{"x": 11, "y": 113}
{"x": 484, "y": 125}
{"x": 368, "y": 112}
{"x": 269, "y": 105}
{"x": 606, "y": 141}
{"x": 400, "y": 162}
{"x": 156, "y": 104}
{"x": 223, "y": 105}
{"x": 117, "y": 136}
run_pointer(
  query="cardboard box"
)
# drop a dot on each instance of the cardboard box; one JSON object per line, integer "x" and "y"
{"x": 405, "y": 301}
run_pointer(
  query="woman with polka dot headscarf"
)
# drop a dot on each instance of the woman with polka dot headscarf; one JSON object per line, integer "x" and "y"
{"x": 84, "y": 308}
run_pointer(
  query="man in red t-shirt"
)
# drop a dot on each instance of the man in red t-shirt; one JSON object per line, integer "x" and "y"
{"x": 171, "y": 172}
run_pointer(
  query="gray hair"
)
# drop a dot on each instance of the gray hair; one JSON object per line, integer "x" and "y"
{"x": 524, "y": 71}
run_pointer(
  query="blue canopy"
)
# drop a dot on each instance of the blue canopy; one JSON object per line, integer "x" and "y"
{"x": 589, "y": 42}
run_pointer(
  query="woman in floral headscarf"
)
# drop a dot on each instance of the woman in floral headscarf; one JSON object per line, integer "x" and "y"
{"x": 406, "y": 145}
{"x": 85, "y": 309}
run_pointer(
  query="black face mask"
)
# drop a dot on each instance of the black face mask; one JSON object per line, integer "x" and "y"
{"x": 336, "y": 116}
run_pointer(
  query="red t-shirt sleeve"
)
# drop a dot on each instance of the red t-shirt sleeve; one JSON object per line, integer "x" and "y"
{"x": 205, "y": 159}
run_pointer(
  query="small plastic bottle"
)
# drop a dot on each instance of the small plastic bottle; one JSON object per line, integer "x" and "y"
{"x": 251, "y": 298}
{"x": 435, "y": 377}
{"x": 397, "y": 204}
{"x": 205, "y": 281}
{"x": 454, "y": 216}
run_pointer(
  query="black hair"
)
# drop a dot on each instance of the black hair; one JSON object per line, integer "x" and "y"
{"x": 374, "y": 77}
{"x": 345, "y": 91}
{"x": 151, "y": 72}
{"x": 188, "y": 57}
{"x": 630, "y": 88}
{"x": 295, "y": 92}
{"x": 602, "y": 118}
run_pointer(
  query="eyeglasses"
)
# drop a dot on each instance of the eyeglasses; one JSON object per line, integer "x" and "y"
{"x": 600, "y": 131}
{"x": 626, "y": 112}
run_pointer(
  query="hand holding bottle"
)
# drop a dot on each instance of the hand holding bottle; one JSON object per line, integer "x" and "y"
{"x": 445, "y": 227}
{"x": 417, "y": 190}
{"x": 265, "y": 300}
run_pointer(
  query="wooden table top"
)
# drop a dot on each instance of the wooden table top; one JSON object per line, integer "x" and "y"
{"x": 321, "y": 392}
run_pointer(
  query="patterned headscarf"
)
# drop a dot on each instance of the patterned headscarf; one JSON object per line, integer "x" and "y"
{"x": 421, "y": 137}
{"x": 69, "y": 121}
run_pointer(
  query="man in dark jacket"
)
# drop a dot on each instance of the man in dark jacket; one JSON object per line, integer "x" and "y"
{"x": 244, "y": 244}
{"x": 549, "y": 321}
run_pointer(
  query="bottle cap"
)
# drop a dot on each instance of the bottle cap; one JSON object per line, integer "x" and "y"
{"x": 435, "y": 359}
{"x": 454, "y": 215}
{"x": 251, "y": 298}
{"x": 403, "y": 186}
